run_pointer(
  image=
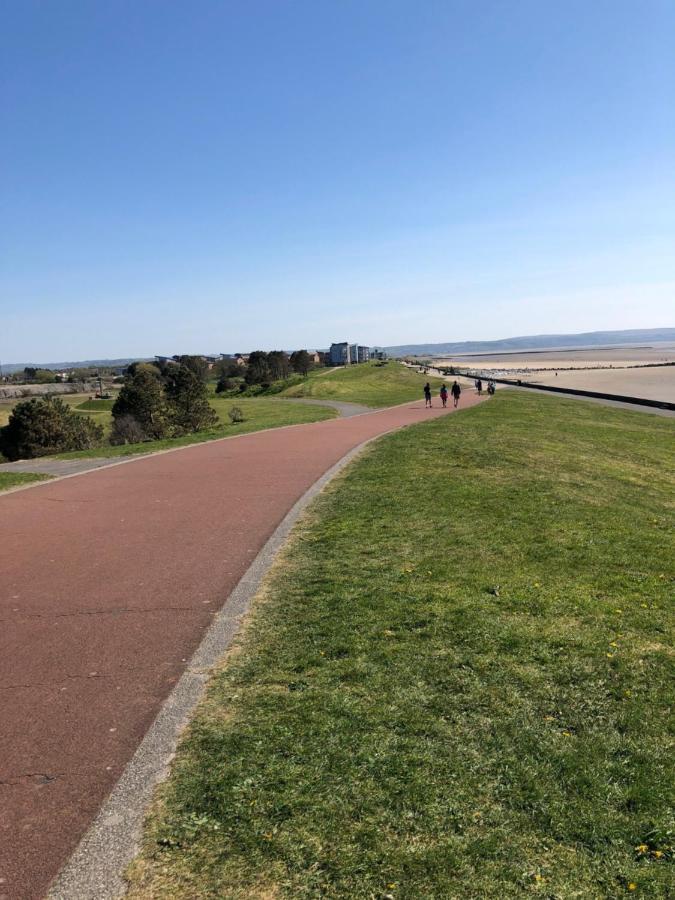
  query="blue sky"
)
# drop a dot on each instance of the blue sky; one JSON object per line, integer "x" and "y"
{"x": 223, "y": 176}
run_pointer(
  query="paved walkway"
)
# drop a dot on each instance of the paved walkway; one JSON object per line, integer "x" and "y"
{"x": 108, "y": 583}
{"x": 59, "y": 467}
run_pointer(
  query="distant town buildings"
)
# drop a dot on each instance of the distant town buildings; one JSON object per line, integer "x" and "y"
{"x": 345, "y": 354}
{"x": 340, "y": 354}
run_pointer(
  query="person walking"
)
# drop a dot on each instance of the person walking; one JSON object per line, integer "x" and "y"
{"x": 479, "y": 387}
{"x": 455, "y": 390}
{"x": 427, "y": 395}
{"x": 444, "y": 395}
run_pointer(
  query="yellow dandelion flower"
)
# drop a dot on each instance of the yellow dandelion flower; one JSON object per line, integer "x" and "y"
{"x": 613, "y": 644}
{"x": 632, "y": 886}
{"x": 642, "y": 848}
{"x": 658, "y": 854}
{"x": 628, "y": 693}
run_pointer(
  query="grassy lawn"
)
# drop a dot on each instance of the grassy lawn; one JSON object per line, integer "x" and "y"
{"x": 258, "y": 414}
{"x": 456, "y": 683}
{"x": 15, "y": 479}
{"x": 368, "y": 383}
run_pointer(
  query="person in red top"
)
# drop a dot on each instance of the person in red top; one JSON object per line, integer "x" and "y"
{"x": 444, "y": 395}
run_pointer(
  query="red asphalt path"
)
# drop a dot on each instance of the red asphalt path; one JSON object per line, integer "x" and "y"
{"x": 108, "y": 581}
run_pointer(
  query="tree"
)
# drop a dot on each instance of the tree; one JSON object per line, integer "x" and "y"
{"x": 187, "y": 397}
{"x": 39, "y": 376}
{"x": 142, "y": 398}
{"x": 229, "y": 368}
{"x": 279, "y": 365}
{"x": 301, "y": 361}
{"x": 257, "y": 370}
{"x": 46, "y": 425}
{"x": 134, "y": 367}
{"x": 196, "y": 364}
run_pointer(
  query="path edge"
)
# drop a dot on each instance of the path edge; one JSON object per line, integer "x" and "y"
{"x": 95, "y": 869}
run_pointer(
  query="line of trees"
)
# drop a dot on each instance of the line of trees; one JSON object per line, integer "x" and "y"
{"x": 263, "y": 368}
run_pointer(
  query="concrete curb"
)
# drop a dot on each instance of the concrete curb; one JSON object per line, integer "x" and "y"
{"x": 95, "y": 869}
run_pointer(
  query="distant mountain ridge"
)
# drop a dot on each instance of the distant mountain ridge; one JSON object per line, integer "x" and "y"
{"x": 8, "y": 368}
{"x": 539, "y": 342}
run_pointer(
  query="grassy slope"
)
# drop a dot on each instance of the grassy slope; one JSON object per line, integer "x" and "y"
{"x": 258, "y": 414}
{"x": 457, "y": 682}
{"x": 15, "y": 479}
{"x": 367, "y": 383}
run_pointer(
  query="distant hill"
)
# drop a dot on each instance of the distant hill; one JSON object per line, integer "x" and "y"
{"x": 539, "y": 342}
{"x": 8, "y": 368}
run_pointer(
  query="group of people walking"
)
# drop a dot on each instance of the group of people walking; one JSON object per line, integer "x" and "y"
{"x": 456, "y": 392}
{"x": 479, "y": 386}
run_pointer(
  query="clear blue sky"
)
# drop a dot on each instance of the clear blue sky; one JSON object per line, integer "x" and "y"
{"x": 222, "y": 176}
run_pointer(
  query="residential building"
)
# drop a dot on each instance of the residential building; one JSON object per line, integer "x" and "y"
{"x": 344, "y": 354}
{"x": 339, "y": 354}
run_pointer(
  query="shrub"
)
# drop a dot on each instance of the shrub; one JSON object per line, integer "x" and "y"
{"x": 225, "y": 384}
{"x": 46, "y": 425}
{"x": 236, "y": 415}
{"x": 127, "y": 430}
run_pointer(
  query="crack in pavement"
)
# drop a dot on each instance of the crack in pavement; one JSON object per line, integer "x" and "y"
{"x": 43, "y": 777}
{"x": 89, "y": 675}
{"x": 104, "y": 612}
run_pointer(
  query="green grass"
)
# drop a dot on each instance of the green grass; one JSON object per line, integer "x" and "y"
{"x": 367, "y": 383}
{"x": 16, "y": 479}
{"x": 457, "y": 682}
{"x": 258, "y": 414}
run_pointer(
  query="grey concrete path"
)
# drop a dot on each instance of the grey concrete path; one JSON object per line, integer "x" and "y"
{"x": 60, "y": 467}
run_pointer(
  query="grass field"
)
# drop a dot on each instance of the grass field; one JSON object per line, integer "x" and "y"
{"x": 457, "y": 682}
{"x": 258, "y": 414}
{"x": 368, "y": 383}
{"x": 16, "y": 479}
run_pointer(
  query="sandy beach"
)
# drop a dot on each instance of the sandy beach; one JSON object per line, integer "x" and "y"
{"x": 607, "y": 370}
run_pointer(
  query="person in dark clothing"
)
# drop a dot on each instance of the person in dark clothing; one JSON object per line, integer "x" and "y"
{"x": 479, "y": 387}
{"x": 455, "y": 390}
{"x": 444, "y": 395}
{"x": 427, "y": 395}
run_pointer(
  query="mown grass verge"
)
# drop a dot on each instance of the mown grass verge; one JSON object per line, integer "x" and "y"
{"x": 258, "y": 414}
{"x": 457, "y": 682}
{"x": 16, "y": 479}
{"x": 371, "y": 384}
